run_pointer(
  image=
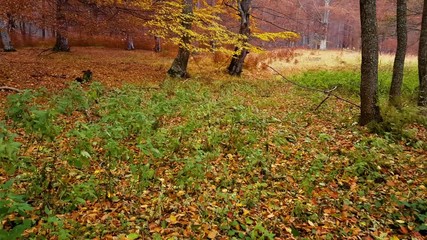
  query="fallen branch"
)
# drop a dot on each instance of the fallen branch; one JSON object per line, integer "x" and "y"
{"x": 44, "y": 50}
{"x": 328, "y": 91}
{"x": 10, "y": 89}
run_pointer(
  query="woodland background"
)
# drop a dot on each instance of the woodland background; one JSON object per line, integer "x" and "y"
{"x": 111, "y": 23}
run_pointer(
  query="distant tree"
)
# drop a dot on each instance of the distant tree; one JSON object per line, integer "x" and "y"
{"x": 129, "y": 42}
{"x": 179, "y": 65}
{"x": 422, "y": 59}
{"x": 325, "y": 25}
{"x": 5, "y": 38}
{"x": 236, "y": 64}
{"x": 399, "y": 60}
{"x": 157, "y": 44}
{"x": 370, "y": 111}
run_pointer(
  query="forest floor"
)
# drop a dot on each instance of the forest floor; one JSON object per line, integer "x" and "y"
{"x": 136, "y": 155}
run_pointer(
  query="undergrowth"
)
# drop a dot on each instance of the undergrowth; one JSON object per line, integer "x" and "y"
{"x": 236, "y": 159}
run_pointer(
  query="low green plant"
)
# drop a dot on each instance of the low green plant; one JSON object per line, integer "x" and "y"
{"x": 313, "y": 173}
{"x": 42, "y": 123}
{"x": 193, "y": 171}
{"x": 34, "y": 118}
{"x": 14, "y": 218}
{"x": 8, "y": 149}
{"x": 73, "y": 98}
{"x": 19, "y": 106}
{"x": 417, "y": 209}
{"x": 142, "y": 175}
{"x": 55, "y": 226}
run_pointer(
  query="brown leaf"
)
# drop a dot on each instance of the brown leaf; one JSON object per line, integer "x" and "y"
{"x": 404, "y": 230}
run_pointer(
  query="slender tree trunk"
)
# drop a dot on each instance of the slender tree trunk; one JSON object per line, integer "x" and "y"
{"x": 325, "y": 26}
{"x": 422, "y": 60}
{"x": 179, "y": 65}
{"x": 61, "y": 44}
{"x": 399, "y": 60}
{"x": 23, "y": 28}
{"x": 236, "y": 64}
{"x": 157, "y": 44}
{"x": 370, "y": 110}
{"x": 5, "y": 38}
{"x": 129, "y": 42}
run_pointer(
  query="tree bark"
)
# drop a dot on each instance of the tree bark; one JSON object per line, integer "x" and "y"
{"x": 129, "y": 42}
{"x": 422, "y": 59}
{"x": 5, "y": 38}
{"x": 61, "y": 44}
{"x": 157, "y": 44}
{"x": 236, "y": 65}
{"x": 370, "y": 110}
{"x": 399, "y": 60}
{"x": 325, "y": 26}
{"x": 179, "y": 65}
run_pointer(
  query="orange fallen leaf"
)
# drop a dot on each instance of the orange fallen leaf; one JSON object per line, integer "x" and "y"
{"x": 212, "y": 234}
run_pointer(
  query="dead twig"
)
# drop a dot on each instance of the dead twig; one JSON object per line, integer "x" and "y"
{"x": 328, "y": 91}
{"x": 44, "y": 50}
{"x": 326, "y": 98}
{"x": 10, "y": 89}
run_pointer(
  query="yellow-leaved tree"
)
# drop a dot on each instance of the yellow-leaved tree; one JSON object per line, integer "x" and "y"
{"x": 201, "y": 27}
{"x": 243, "y": 7}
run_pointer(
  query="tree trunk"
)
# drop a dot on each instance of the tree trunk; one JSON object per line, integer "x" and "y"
{"x": 370, "y": 110}
{"x": 325, "y": 26}
{"x": 179, "y": 65}
{"x": 61, "y": 44}
{"x": 157, "y": 44}
{"x": 129, "y": 42}
{"x": 5, "y": 38}
{"x": 422, "y": 60}
{"x": 399, "y": 60}
{"x": 236, "y": 65}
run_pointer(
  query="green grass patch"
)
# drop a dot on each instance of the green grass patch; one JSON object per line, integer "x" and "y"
{"x": 348, "y": 81}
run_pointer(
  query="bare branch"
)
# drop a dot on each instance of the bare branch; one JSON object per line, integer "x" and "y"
{"x": 10, "y": 89}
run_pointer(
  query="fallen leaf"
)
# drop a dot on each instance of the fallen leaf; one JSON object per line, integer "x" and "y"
{"x": 212, "y": 234}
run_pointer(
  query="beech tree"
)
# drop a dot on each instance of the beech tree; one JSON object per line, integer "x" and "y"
{"x": 236, "y": 64}
{"x": 179, "y": 65}
{"x": 243, "y": 46}
{"x": 370, "y": 111}
{"x": 5, "y": 38}
{"x": 325, "y": 26}
{"x": 61, "y": 44}
{"x": 422, "y": 60}
{"x": 399, "y": 60}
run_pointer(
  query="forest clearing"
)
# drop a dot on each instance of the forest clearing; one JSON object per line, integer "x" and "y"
{"x": 134, "y": 154}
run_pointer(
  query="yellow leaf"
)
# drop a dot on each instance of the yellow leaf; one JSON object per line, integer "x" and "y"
{"x": 172, "y": 219}
{"x": 180, "y": 193}
{"x": 212, "y": 234}
{"x": 245, "y": 212}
